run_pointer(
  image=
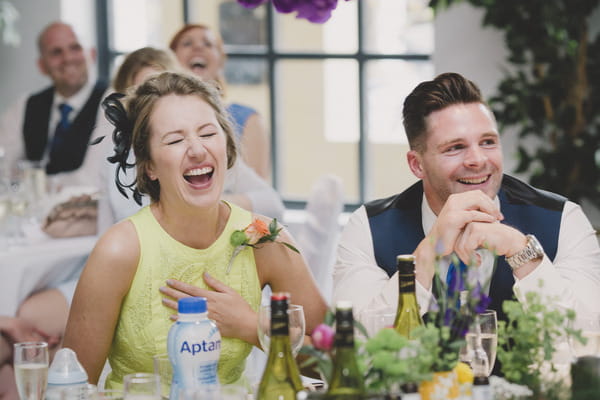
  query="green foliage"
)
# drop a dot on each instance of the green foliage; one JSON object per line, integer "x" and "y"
{"x": 526, "y": 342}
{"x": 552, "y": 90}
{"x": 394, "y": 359}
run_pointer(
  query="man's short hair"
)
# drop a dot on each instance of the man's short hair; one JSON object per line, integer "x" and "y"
{"x": 444, "y": 90}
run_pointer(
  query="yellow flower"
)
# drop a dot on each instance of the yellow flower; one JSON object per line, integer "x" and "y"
{"x": 464, "y": 373}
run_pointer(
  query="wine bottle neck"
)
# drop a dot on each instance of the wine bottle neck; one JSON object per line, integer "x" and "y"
{"x": 406, "y": 283}
{"x": 344, "y": 339}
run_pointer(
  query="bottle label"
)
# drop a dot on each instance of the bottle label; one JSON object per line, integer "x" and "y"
{"x": 194, "y": 349}
{"x": 279, "y": 326}
{"x": 204, "y": 346}
{"x": 344, "y": 338}
{"x": 406, "y": 282}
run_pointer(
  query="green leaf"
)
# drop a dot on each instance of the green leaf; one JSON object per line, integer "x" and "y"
{"x": 289, "y": 246}
{"x": 273, "y": 228}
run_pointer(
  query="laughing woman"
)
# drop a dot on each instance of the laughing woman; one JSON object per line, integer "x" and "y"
{"x": 183, "y": 145}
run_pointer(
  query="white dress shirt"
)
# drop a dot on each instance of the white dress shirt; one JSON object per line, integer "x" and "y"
{"x": 573, "y": 279}
{"x": 11, "y": 136}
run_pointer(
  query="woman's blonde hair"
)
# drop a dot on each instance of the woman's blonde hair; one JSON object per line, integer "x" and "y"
{"x": 134, "y": 62}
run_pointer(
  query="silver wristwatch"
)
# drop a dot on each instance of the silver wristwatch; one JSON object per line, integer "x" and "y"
{"x": 532, "y": 251}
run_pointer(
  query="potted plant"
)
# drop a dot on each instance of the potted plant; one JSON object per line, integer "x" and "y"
{"x": 527, "y": 345}
{"x": 552, "y": 91}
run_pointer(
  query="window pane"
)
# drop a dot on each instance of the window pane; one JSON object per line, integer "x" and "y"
{"x": 388, "y": 84}
{"x": 139, "y": 23}
{"x": 308, "y": 108}
{"x": 242, "y": 29}
{"x": 398, "y": 26}
{"x": 247, "y": 84}
{"x": 338, "y": 35}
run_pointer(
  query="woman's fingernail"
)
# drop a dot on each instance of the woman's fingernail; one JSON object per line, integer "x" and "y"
{"x": 207, "y": 275}
{"x": 169, "y": 282}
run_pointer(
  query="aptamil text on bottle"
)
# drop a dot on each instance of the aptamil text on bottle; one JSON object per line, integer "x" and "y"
{"x": 194, "y": 346}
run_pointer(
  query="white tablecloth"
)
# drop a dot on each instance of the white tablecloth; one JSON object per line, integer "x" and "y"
{"x": 38, "y": 263}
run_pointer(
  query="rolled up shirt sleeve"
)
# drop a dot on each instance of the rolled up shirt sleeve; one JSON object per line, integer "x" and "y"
{"x": 573, "y": 278}
{"x": 358, "y": 278}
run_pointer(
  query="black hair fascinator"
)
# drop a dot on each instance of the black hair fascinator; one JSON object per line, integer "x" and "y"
{"x": 122, "y": 136}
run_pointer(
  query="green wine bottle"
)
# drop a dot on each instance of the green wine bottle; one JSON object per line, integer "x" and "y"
{"x": 347, "y": 382}
{"x": 408, "y": 316}
{"x": 281, "y": 379}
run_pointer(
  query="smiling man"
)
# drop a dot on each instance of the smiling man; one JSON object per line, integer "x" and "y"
{"x": 464, "y": 204}
{"x": 52, "y": 127}
{"x": 55, "y": 125}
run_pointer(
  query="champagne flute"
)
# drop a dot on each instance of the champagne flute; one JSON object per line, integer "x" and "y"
{"x": 141, "y": 386}
{"x": 31, "y": 369}
{"x": 483, "y": 335}
{"x": 164, "y": 369}
{"x": 297, "y": 327}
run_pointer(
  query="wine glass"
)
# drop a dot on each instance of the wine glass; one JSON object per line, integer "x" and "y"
{"x": 225, "y": 392}
{"x": 378, "y": 319}
{"x": 297, "y": 326}
{"x": 164, "y": 369}
{"x": 141, "y": 386}
{"x": 483, "y": 336}
{"x": 109, "y": 394}
{"x": 31, "y": 369}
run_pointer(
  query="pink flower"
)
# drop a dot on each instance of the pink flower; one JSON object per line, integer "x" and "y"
{"x": 322, "y": 337}
{"x": 256, "y": 231}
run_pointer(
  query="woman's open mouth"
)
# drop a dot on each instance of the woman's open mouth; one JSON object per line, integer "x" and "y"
{"x": 199, "y": 176}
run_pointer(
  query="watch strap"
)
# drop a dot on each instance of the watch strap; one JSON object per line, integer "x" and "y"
{"x": 532, "y": 250}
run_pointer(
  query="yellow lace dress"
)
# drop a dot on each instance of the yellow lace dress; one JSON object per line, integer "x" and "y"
{"x": 144, "y": 322}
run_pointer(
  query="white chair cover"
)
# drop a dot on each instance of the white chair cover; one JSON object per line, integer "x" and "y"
{"x": 318, "y": 237}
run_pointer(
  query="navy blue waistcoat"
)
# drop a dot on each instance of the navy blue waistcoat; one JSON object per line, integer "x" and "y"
{"x": 35, "y": 130}
{"x": 396, "y": 228}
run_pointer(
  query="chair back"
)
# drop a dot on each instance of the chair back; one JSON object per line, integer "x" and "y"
{"x": 318, "y": 236}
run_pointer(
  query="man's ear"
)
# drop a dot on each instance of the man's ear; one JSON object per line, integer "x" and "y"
{"x": 414, "y": 162}
{"x": 93, "y": 54}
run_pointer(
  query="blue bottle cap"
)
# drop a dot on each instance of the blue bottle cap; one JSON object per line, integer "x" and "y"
{"x": 191, "y": 305}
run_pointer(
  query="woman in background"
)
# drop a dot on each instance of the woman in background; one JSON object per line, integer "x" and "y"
{"x": 183, "y": 144}
{"x": 200, "y": 50}
{"x": 242, "y": 185}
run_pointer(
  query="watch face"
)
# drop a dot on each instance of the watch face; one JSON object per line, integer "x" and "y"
{"x": 536, "y": 246}
{"x": 532, "y": 251}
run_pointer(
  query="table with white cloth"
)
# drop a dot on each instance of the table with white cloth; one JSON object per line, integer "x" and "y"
{"x": 38, "y": 262}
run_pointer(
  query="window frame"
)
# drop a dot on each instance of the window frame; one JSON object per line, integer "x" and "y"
{"x": 272, "y": 56}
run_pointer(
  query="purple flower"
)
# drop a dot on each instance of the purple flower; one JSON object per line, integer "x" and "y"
{"x": 449, "y": 316}
{"x": 317, "y": 11}
{"x": 322, "y": 337}
{"x": 286, "y": 6}
{"x": 251, "y": 3}
{"x": 482, "y": 300}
